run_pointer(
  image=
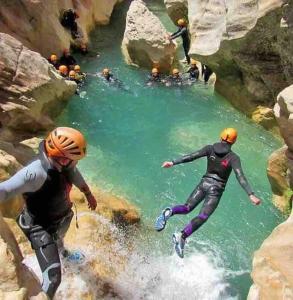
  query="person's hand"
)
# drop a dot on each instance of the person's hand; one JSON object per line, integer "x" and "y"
{"x": 92, "y": 202}
{"x": 167, "y": 164}
{"x": 254, "y": 200}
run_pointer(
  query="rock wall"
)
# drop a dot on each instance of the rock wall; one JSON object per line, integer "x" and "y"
{"x": 177, "y": 9}
{"x": 145, "y": 40}
{"x": 36, "y": 23}
{"x": 246, "y": 43}
{"x": 31, "y": 91}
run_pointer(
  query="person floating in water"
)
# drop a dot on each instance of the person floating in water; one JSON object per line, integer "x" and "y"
{"x": 67, "y": 59}
{"x": 175, "y": 78}
{"x": 183, "y": 32}
{"x": 154, "y": 77}
{"x": 106, "y": 73}
{"x": 80, "y": 76}
{"x": 63, "y": 71}
{"x": 221, "y": 160}
{"x": 45, "y": 184}
{"x": 53, "y": 60}
{"x": 193, "y": 71}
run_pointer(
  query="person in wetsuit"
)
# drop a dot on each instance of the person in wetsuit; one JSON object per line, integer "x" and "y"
{"x": 175, "y": 78}
{"x": 107, "y": 75}
{"x": 154, "y": 77}
{"x": 63, "y": 71}
{"x": 193, "y": 71}
{"x": 45, "y": 184}
{"x": 68, "y": 20}
{"x": 221, "y": 160}
{"x": 67, "y": 59}
{"x": 53, "y": 60}
{"x": 183, "y": 32}
{"x": 206, "y": 73}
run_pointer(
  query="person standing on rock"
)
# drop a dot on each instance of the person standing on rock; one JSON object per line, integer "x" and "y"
{"x": 183, "y": 32}
{"x": 45, "y": 184}
{"x": 221, "y": 160}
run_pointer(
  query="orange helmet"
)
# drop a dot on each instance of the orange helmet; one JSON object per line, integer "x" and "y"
{"x": 53, "y": 57}
{"x": 175, "y": 72}
{"x": 77, "y": 68}
{"x": 66, "y": 142}
{"x": 229, "y": 135}
{"x": 106, "y": 71}
{"x": 63, "y": 69}
{"x": 155, "y": 70}
{"x": 181, "y": 22}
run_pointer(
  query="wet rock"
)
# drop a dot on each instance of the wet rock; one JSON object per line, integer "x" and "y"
{"x": 277, "y": 172}
{"x": 273, "y": 265}
{"x": 38, "y": 26}
{"x": 265, "y": 117}
{"x": 31, "y": 92}
{"x": 177, "y": 9}
{"x": 284, "y": 114}
{"x": 145, "y": 41}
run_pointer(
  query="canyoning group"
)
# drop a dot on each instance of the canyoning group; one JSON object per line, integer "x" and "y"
{"x": 45, "y": 183}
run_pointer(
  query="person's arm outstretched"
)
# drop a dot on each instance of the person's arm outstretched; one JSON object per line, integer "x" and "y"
{"x": 236, "y": 165}
{"x": 205, "y": 151}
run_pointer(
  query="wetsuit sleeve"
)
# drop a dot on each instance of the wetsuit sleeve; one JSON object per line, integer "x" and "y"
{"x": 178, "y": 33}
{"x": 205, "y": 151}
{"x": 236, "y": 165}
{"x": 28, "y": 179}
{"x": 77, "y": 179}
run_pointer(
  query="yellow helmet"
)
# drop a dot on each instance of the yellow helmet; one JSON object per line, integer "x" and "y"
{"x": 229, "y": 135}
{"x": 193, "y": 62}
{"x": 53, "y": 57}
{"x": 72, "y": 74}
{"x": 182, "y": 22}
{"x": 63, "y": 69}
{"x": 175, "y": 71}
{"x": 155, "y": 70}
{"x": 77, "y": 68}
{"x": 66, "y": 142}
{"x": 106, "y": 71}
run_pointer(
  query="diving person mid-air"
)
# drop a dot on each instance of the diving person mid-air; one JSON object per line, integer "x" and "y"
{"x": 221, "y": 160}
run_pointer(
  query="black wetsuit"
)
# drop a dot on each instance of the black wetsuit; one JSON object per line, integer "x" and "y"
{"x": 154, "y": 79}
{"x": 206, "y": 73}
{"x": 56, "y": 64}
{"x": 183, "y": 32}
{"x": 175, "y": 80}
{"x": 47, "y": 214}
{"x": 221, "y": 160}
{"x": 193, "y": 73}
{"x": 67, "y": 60}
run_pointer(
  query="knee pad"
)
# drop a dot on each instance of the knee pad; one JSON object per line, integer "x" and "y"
{"x": 203, "y": 216}
{"x": 40, "y": 238}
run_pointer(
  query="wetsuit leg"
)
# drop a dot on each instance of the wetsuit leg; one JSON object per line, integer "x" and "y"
{"x": 63, "y": 227}
{"x": 46, "y": 251}
{"x": 194, "y": 199}
{"x": 186, "y": 46}
{"x": 211, "y": 202}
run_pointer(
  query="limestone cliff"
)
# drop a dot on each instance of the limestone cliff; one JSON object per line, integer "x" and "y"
{"x": 246, "y": 43}
{"x": 145, "y": 40}
{"x": 31, "y": 91}
{"x": 36, "y": 23}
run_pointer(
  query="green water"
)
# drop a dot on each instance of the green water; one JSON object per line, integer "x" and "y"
{"x": 131, "y": 131}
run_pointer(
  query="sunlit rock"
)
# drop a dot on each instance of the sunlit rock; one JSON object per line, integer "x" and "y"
{"x": 145, "y": 41}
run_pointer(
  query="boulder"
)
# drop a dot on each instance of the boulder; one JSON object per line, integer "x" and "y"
{"x": 264, "y": 116}
{"x": 284, "y": 114}
{"x": 273, "y": 265}
{"x": 145, "y": 41}
{"x": 177, "y": 9}
{"x": 31, "y": 91}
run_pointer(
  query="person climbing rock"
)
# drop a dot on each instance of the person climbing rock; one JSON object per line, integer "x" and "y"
{"x": 175, "y": 78}
{"x": 67, "y": 59}
{"x": 80, "y": 76}
{"x": 68, "y": 20}
{"x": 53, "y": 60}
{"x": 221, "y": 160}
{"x": 193, "y": 70}
{"x": 63, "y": 71}
{"x": 45, "y": 184}
{"x": 206, "y": 73}
{"x": 154, "y": 77}
{"x": 183, "y": 32}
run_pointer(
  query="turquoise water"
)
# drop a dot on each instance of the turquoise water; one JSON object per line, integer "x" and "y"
{"x": 131, "y": 131}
